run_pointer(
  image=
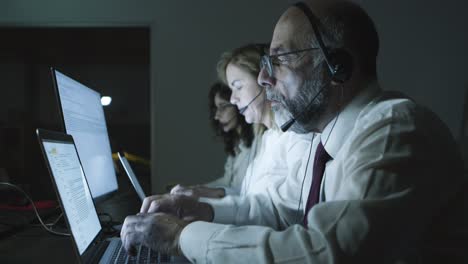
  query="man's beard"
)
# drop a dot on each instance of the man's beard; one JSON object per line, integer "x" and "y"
{"x": 303, "y": 107}
{"x": 282, "y": 116}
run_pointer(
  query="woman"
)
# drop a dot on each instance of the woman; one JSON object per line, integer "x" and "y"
{"x": 277, "y": 171}
{"x": 276, "y": 159}
{"x": 237, "y": 135}
{"x": 239, "y": 70}
{"x": 276, "y": 175}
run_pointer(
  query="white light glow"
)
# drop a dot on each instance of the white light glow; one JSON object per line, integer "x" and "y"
{"x": 106, "y": 100}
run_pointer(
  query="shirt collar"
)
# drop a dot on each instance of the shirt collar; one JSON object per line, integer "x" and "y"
{"x": 337, "y": 130}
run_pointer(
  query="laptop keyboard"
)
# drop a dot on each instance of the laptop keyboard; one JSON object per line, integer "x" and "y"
{"x": 144, "y": 255}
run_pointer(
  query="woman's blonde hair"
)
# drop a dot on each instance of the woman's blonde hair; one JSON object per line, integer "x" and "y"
{"x": 247, "y": 57}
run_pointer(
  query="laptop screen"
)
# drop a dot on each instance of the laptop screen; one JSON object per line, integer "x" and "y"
{"x": 84, "y": 119}
{"x": 73, "y": 191}
{"x": 131, "y": 175}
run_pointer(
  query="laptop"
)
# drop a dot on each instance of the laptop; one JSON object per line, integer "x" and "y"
{"x": 131, "y": 175}
{"x": 83, "y": 117}
{"x": 75, "y": 198}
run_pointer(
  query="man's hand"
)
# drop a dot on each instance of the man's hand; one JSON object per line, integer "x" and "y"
{"x": 198, "y": 191}
{"x": 145, "y": 206}
{"x": 159, "y": 232}
{"x": 187, "y": 208}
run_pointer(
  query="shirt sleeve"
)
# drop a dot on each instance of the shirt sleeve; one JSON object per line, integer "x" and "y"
{"x": 255, "y": 209}
{"x": 203, "y": 242}
{"x": 277, "y": 205}
{"x": 224, "y": 181}
{"x": 234, "y": 171}
{"x": 389, "y": 194}
{"x": 286, "y": 193}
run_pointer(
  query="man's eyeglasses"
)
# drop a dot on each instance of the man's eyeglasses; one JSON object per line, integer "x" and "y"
{"x": 267, "y": 61}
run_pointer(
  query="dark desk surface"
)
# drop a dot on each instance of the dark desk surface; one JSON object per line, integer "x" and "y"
{"x": 34, "y": 244}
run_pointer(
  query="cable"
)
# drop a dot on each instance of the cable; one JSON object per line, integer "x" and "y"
{"x": 108, "y": 225}
{"x": 56, "y": 220}
{"x": 303, "y": 179}
{"x": 340, "y": 107}
{"x": 106, "y": 214}
{"x": 35, "y": 209}
{"x": 310, "y": 150}
{"x": 245, "y": 184}
{"x": 53, "y": 223}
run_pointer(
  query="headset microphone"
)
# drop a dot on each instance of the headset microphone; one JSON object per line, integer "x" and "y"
{"x": 339, "y": 62}
{"x": 291, "y": 121}
{"x": 243, "y": 109}
{"x": 285, "y": 127}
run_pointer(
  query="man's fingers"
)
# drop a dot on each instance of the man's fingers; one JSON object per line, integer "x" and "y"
{"x": 167, "y": 205}
{"x": 177, "y": 189}
{"x": 162, "y": 206}
{"x": 184, "y": 191}
{"x": 147, "y": 203}
{"x": 130, "y": 241}
{"x": 158, "y": 231}
{"x": 170, "y": 204}
{"x": 127, "y": 225}
{"x": 153, "y": 207}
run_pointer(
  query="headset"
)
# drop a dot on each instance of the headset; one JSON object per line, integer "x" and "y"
{"x": 339, "y": 61}
{"x": 340, "y": 65}
{"x": 243, "y": 109}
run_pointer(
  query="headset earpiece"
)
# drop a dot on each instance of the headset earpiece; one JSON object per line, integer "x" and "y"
{"x": 342, "y": 64}
{"x": 339, "y": 61}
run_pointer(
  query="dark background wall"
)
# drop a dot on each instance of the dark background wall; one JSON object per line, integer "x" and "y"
{"x": 423, "y": 51}
{"x": 112, "y": 61}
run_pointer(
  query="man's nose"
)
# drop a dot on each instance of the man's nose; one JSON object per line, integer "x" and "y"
{"x": 265, "y": 80}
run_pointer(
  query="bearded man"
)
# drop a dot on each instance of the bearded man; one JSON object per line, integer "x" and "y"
{"x": 387, "y": 181}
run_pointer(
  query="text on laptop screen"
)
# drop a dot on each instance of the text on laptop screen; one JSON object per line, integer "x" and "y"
{"x": 74, "y": 192}
{"x": 84, "y": 119}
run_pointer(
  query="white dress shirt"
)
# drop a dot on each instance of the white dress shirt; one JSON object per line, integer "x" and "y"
{"x": 271, "y": 189}
{"x": 392, "y": 193}
{"x": 235, "y": 169}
